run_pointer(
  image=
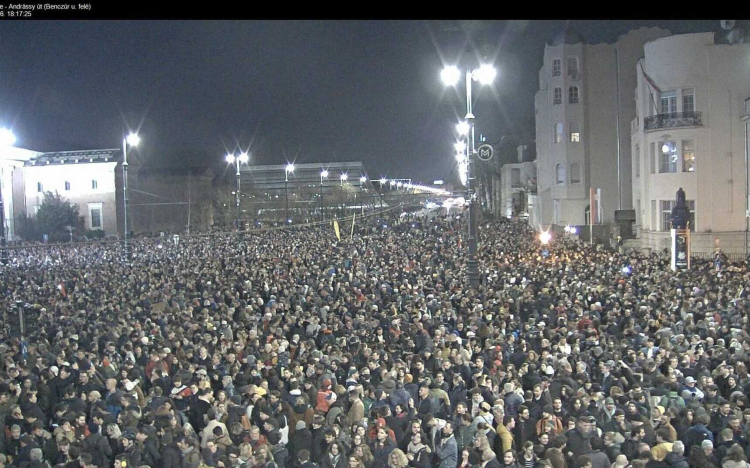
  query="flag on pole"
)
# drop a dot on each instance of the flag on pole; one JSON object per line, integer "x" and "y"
{"x": 336, "y": 229}
{"x": 351, "y": 236}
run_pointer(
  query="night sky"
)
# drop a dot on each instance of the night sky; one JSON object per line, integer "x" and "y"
{"x": 304, "y": 91}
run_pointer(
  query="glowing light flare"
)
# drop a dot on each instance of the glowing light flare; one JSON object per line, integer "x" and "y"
{"x": 485, "y": 74}
{"x": 133, "y": 139}
{"x": 545, "y": 237}
{"x": 324, "y": 173}
{"x": 244, "y": 158}
{"x": 450, "y": 75}
{"x": 289, "y": 168}
{"x": 7, "y": 138}
{"x": 463, "y": 128}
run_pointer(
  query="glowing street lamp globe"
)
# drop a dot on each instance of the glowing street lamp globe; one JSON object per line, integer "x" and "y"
{"x": 133, "y": 139}
{"x": 244, "y": 158}
{"x": 485, "y": 74}
{"x": 450, "y": 75}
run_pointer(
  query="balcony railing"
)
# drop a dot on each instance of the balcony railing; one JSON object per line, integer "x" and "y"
{"x": 675, "y": 120}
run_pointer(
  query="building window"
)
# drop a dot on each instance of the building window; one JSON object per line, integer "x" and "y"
{"x": 688, "y": 156}
{"x": 638, "y": 216}
{"x": 515, "y": 178}
{"x": 557, "y": 96}
{"x": 573, "y": 95}
{"x": 39, "y": 187}
{"x": 654, "y": 227}
{"x": 666, "y": 214}
{"x": 572, "y": 66}
{"x": 668, "y": 157}
{"x": 668, "y": 103}
{"x": 67, "y": 185}
{"x": 652, "y": 156}
{"x": 556, "y": 67}
{"x": 560, "y": 174}
{"x": 637, "y": 161}
{"x": 95, "y": 216}
{"x": 94, "y": 184}
{"x": 575, "y": 132}
{"x": 575, "y": 173}
{"x": 558, "y": 133}
{"x": 688, "y": 100}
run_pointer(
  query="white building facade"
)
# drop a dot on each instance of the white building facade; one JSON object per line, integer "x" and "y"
{"x": 583, "y": 109}
{"x": 691, "y": 96}
{"x": 86, "y": 179}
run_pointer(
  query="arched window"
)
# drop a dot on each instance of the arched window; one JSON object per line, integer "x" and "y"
{"x": 560, "y": 174}
{"x": 558, "y": 132}
{"x": 575, "y": 173}
{"x": 575, "y": 132}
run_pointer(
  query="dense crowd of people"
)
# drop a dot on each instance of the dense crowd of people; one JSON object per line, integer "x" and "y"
{"x": 292, "y": 349}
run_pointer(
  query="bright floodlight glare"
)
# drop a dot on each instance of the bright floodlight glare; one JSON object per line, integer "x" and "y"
{"x": 324, "y": 173}
{"x": 626, "y": 269}
{"x": 573, "y": 230}
{"x": 463, "y": 128}
{"x": 567, "y": 228}
{"x": 460, "y": 146}
{"x": 229, "y": 158}
{"x": 450, "y": 75}
{"x": 363, "y": 179}
{"x": 344, "y": 176}
{"x": 244, "y": 158}
{"x": 665, "y": 148}
{"x": 545, "y": 237}
{"x": 7, "y": 138}
{"x": 383, "y": 180}
{"x": 133, "y": 139}
{"x": 485, "y": 74}
{"x": 290, "y": 167}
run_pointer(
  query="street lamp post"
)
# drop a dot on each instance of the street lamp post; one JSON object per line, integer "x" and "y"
{"x": 343, "y": 206}
{"x": 133, "y": 140}
{"x": 323, "y": 174}
{"x": 451, "y": 75}
{"x": 243, "y": 158}
{"x": 289, "y": 168}
{"x": 7, "y": 139}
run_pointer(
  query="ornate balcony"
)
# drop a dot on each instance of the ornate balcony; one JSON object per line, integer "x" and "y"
{"x": 675, "y": 120}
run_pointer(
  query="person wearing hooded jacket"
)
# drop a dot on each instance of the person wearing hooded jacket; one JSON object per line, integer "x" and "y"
{"x": 579, "y": 439}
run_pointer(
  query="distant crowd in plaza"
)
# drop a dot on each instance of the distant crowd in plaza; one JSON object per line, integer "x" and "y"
{"x": 293, "y": 349}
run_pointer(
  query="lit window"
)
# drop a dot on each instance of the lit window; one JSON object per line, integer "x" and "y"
{"x": 575, "y": 132}
{"x": 573, "y": 95}
{"x": 560, "y": 174}
{"x": 557, "y": 96}
{"x": 575, "y": 173}
{"x": 668, "y": 157}
{"x": 556, "y": 67}
{"x": 688, "y": 156}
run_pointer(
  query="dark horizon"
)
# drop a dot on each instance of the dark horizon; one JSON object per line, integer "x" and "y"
{"x": 304, "y": 91}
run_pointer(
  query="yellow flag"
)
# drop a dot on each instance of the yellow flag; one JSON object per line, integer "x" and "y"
{"x": 336, "y": 229}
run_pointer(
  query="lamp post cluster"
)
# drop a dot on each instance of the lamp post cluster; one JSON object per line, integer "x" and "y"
{"x": 242, "y": 158}
{"x": 466, "y": 151}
